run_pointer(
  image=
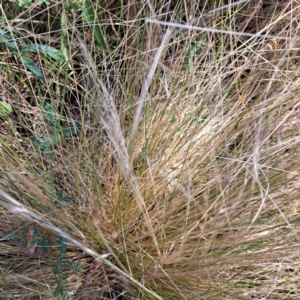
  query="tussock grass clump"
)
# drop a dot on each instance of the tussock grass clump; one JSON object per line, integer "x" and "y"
{"x": 158, "y": 161}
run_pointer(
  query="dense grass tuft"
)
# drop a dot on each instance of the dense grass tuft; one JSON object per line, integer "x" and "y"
{"x": 155, "y": 155}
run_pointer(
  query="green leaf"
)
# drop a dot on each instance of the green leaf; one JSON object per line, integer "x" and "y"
{"x": 31, "y": 65}
{"x": 52, "y": 140}
{"x": 63, "y": 247}
{"x": 190, "y": 63}
{"x": 22, "y": 241}
{"x": 10, "y": 235}
{"x": 44, "y": 243}
{"x": 50, "y": 115}
{"x": 59, "y": 290}
{"x": 22, "y": 3}
{"x": 61, "y": 198}
{"x": 43, "y": 144}
{"x": 5, "y": 109}
{"x": 58, "y": 267}
{"x": 47, "y": 50}
{"x": 60, "y": 195}
{"x": 8, "y": 41}
{"x": 76, "y": 267}
{"x": 66, "y": 132}
{"x": 65, "y": 275}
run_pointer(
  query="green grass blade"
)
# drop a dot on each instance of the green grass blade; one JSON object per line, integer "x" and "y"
{"x": 63, "y": 39}
{"x": 89, "y": 15}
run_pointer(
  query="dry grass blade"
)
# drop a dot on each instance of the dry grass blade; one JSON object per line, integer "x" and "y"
{"x": 147, "y": 83}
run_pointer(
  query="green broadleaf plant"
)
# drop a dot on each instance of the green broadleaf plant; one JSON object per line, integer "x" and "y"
{"x": 31, "y": 48}
{"x": 5, "y": 109}
{"x": 43, "y": 49}
{"x": 23, "y": 3}
{"x": 31, "y": 65}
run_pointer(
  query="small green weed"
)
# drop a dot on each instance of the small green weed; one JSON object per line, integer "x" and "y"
{"x": 30, "y": 48}
{"x": 23, "y": 3}
{"x": 30, "y": 239}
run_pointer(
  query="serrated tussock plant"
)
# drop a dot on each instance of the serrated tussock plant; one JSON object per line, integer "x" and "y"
{"x": 159, "y": 160}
